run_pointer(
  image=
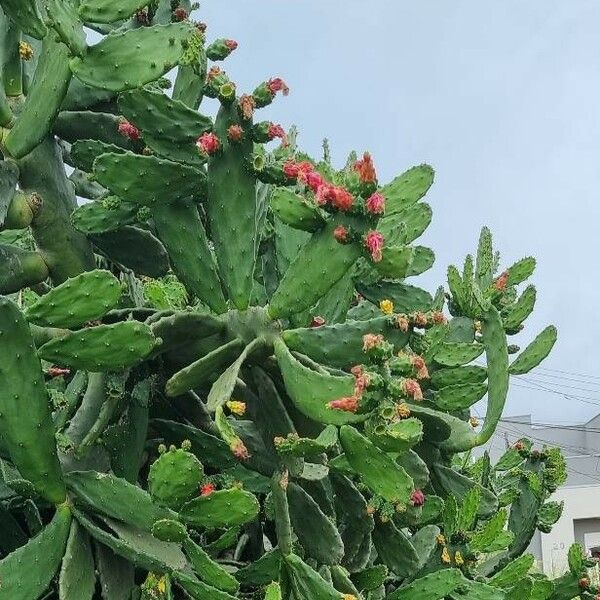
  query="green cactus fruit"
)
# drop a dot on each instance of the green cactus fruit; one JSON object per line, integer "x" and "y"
{"x": 28, "y": 434}
{"x": 101, "y": 348}
{"x": 134, "y": 57}
{"x": 295, "y": 211}
{"x": 293, "y": 445}
{"x": 273, "y": 591}
{"x": 535, "y": 353}
{"x": 175, "y": 477}
{"x": 48, "y": 89}
{"x": 105, "y": 11}
{"x": 77, "y": 573}
{"x": 311, "y": 390}
{"x": 20, "y": 268}
{"x": 115, "y": 497}
{"x": 40, "y": 557}
{"x": 168, "y": 530}
{"x": 376, "y": 469}
{"x": 134, "y": 248}
{"x": 397, "y": 437}
{"x": 74, "y": 302}
{"x": 223, "y": 508}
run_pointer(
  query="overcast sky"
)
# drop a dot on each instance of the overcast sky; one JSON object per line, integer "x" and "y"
{"x": 501, "y": 98}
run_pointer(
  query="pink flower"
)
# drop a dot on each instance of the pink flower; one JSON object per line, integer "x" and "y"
{"x": 323, "y": 194}
{"x": 356, "y": 370}
{"x": 128, "y": 130}
{"x": 419, "y": 364}
{"x": 342, "y": 199}
{"x": 374, "y": 244}
{"x": 317, "y": 321}
{"x": 437, "y": 316}
{"x": 375, "y": 204}
{"x": 402, "y": 323}
{"x": 235, "y": 133}
{"x": 278, "y": 85}
{"x": 277, "y": 131}
{"x": 290, "y": 169}
{"x": 419, "y": 319}
{"x": 208, "y": 143}
{"x": 207, "y": 489}
{"x": 412, "y": 389}
{"x": 360, "y": 385}
{"x": 247, "y": 105}
{"x": 231, "y": 44}
{"x": 57, "y": 371}
{"x": 340, "y": 233}
{"x": 366, "y": 169}
{"x": 348, "y": 404}
{"x": 239, "y": 450}
{"x": 501, "y": 282}
{"x": 314, "y": 181}
{"x": 417, "y": 498}
{"x": 372, "y": 340}
{"x": 180, "y": 14}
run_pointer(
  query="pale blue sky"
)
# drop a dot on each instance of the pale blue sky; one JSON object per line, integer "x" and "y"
{"x": 500, "y": 97}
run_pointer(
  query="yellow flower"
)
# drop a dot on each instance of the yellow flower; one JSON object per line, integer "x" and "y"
{"x": 440, "y": 539}
{"x": 25, "y": 51}
{"x": 236, "y": 407}
{"x": 473, "y": 421}
{"x": 458, "y": 559}
{"x": 445, "y": 556}
{"x": 387, "y": 307}
{"x": 161, "y": 586}
{"x": 403, "y": 410}
{"x": 348, "y": 597}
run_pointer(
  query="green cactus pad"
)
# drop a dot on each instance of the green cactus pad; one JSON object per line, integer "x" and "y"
{"x": 135, "y": 545}
{"x": 407, "y": 188}
{"x": 457, "y": 397}
{"x": 168, "y": 530}
{"x": 77, "y": 573}
{"x": 63, "y": 18}
{"x": 262, "y": 570}
{"x": 422, "y": 260}
{"x": 223, "y": 508}
{"x": 406, "y": 298}
{"x": 535, "y": 353}
{"x": 148, "y": 180}
{"x": 295, "y": 211}
{"x": 231, "y": 208}
{"x": 101, "y": 348}
{"x": 198, "y": 589}
{"x": 405, "y": 226}
{"x": 455, "y": 354}
{"x": 397, "y": 437}
{"x": 316, "y": 533}
{"x": 176, "y": 330}
{"x": 207, "y": 569}
{"x": 395, "y": 549}
{"x": 72, "y": 126}
{"x": 312, "y": 390}
{"x": 457, "y": 376}
{"x": 85, "y": 152}
{"x": 180, "y": 229}
{"x": 175, "y": 477}
{"x": 27, "y": 433}
{"x": 320, "y": 264}
{"x": 513, "y": 571}
{"x": 396, "y": 262}
{"x": 521, "y": 270}
{"x": 340, "y": 345}
{"x": 79, "y": 299}
{"x": 114, "y": 497}
{"x": 514, "y": 314}
{"x": 371, "y": 578}
{"x": 9, "y": 176}
{"x": 134, "y": 57}
{"x": 134, "y": 248}
{"x": 108, "y": 11}
{"x": 435, "y": 586}
{"x": 376, "y": 469}
{"x": 48, "y": 89}
{"x": 101, "y": 217}
{"x": 306, "y": 582}
{"x": 27, "y": 15}
{"x": 40, "y": 558}
{"x": 308, "y": 447}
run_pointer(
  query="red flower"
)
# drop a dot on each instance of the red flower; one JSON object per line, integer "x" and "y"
{"x": 417, "y": 498}
{"x": 360, "y": 385}
{"x": 366, "y": 169}
{"x": 208, "y": 143}
{"x": 324, "y": 194}
{"x": 375, "y": 204}
{"x": 235, "y": 133}
{"x": 314, "y": 181}
{"x": 412, "y": 389}
{"x": 290, "y": 169}
{"x": 277, "y": 131}
{"x": 231, "y": 44}
{"x": 207, "y": 489}
{"x": 348, "y": 404}
{"x": 374, "y": 244}
{"x": 126, "y": 129}
{"x": 278, "y": 85}
{"x": 57, "y": 371}
{"x": 340, "y": 233}
{"x": 342, "y": 199}
{"x": 501, "y": 282}
{"x": 317, "y": 321}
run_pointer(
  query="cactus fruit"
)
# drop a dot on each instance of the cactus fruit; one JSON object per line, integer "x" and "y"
{"x": 250, "y": 304}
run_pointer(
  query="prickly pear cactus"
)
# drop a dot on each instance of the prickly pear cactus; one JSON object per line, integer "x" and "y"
{"x": 248, "y": 308}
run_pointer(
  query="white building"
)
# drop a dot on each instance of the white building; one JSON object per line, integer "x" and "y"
{"x": 580, "y": 521}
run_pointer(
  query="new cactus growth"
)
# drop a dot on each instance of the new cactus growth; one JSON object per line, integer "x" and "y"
{"x": 215, "y": 369}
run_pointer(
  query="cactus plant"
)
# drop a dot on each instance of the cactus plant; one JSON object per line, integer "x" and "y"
{"x": 251, "y": 306}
